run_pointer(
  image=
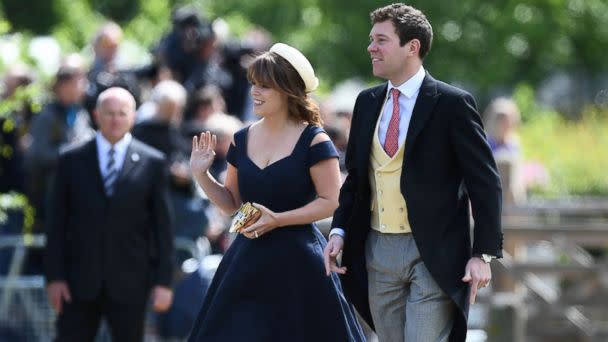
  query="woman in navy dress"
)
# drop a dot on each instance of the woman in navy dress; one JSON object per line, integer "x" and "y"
{"x": 271, "y": 284}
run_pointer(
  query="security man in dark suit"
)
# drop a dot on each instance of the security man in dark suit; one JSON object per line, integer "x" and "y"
{"x": 109, "y": 239}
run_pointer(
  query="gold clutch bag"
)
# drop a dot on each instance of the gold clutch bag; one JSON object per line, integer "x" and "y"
{"x": 244, "y": 217}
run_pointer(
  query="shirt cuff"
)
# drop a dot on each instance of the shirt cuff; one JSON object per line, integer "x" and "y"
{"x": 338, "y": 231}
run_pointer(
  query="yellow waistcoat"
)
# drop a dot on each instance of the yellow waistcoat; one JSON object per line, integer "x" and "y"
{"x": 389, "y": 212}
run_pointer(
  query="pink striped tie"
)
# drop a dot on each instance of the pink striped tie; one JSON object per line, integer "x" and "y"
{"x": 391, "y": 144}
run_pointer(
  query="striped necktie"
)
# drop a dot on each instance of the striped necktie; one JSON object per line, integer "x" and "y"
{"x": 111, "y": 173}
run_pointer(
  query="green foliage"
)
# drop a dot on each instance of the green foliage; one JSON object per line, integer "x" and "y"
{"x": 31, "y": 95}
{"x": 78, "y": 24}
{"x": 332, "y": 34}
{"x": 238, "y": 24}
{"x": 119, "y": 10}
{"x": 5, "y": 26}
{"x": 36, "y": 16}
{"x": 151, "y": 23}
{"x": 480, "y": 44}
{"x": 575, "y": 153}
{"x": 74, "y": 22}
{"x": 17, "y": 202}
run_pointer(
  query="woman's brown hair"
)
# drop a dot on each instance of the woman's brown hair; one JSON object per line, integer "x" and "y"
{"x": 273, "y": 71}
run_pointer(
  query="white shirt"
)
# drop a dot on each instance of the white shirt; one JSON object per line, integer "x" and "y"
{"x": 120, "y": 151}
{"x": 407, "y": 99}
{"x": 409, "y": 91}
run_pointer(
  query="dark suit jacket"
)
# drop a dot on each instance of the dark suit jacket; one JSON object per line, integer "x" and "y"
{"x": 122, "y": 244}
{"x": 447, "y": 162}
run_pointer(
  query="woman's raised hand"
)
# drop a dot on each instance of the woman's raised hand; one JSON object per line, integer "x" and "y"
{"x": 203, "y": 152}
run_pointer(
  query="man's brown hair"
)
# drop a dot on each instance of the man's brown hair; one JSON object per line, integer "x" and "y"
{"x": 409, "y": 22}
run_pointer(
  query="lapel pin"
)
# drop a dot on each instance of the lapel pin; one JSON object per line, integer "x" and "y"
{"x": 135, "y": 157}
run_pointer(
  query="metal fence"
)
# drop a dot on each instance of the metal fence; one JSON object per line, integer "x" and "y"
{"x": 554, "y": 275}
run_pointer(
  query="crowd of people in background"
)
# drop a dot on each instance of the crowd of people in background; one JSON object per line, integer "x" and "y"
{"x": 195, "y": 83}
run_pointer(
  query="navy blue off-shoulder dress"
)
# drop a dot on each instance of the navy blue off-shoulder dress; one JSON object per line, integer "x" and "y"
{"x": 274, "y": 288}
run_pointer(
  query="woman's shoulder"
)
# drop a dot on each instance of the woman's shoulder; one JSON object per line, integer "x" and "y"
{"x": 240, "y": 136}
{"x": 320, "y": 146}
{"x": 320, "y": 137}
{"x": 317, "y": 134}
{"x": 243, "y": 131}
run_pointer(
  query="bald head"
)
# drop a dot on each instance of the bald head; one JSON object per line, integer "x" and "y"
{"x": 108, "y": 30}
{"x": 107, "y": 40}
{"x": 118, "y": 94}
{"x": 115, "y": 113}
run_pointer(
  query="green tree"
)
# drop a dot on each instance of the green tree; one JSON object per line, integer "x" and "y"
{"x": 119, "y": 10}
{"x": 38, "y": 17}
{"x": 477, "y": 43}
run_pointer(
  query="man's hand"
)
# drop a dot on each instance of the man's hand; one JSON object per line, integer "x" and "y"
{"x": 333, "y": 248}
{"x": 58, "y": 292}
{"x": 162, "y": 297}
{"x": 478, "y": 274}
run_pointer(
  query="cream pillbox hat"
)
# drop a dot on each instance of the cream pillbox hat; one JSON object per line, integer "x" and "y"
{"x": 299, "y": 62}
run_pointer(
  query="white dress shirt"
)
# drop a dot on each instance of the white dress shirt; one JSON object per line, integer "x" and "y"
{"x": 120, "y": 151}
{"x": 409, "y": 91}
{"x": 407, "y": 99}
